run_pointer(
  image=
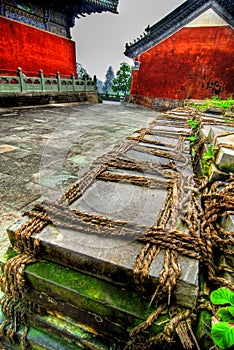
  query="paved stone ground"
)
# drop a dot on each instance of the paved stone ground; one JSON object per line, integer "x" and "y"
{"x": 44, "y": 150}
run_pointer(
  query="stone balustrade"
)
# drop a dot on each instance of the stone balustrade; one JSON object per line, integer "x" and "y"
{"x": 22, "y": 83}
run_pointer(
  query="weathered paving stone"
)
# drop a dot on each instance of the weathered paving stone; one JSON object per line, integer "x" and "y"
{"x": 7, "y": 148}
{"x": 126, "y": 202}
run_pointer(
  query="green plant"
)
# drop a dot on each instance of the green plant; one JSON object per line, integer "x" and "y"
{"x": 222, "y": 332}
{"x": 207, "y": 157}
{"x": 216, "y": 102}
{"x": 228, "y": 117}
{"x": 193, "y": 123}
{"x": 192, "y": 140}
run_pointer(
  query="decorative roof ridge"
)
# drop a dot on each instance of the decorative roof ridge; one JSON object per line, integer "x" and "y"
{"x": 175, "y": 20}
{"x": 107, "y": 3}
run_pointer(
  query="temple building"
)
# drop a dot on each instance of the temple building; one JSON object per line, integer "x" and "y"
{"x": 186, "y": 55}
{"x": 36, "y": 35}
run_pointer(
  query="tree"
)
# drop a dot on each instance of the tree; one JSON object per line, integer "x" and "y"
{"x": 81, "y": 71}
{"x": 109, "y": 80}
{"x": 122, "y": 82}
{"x": 100, "y": 86}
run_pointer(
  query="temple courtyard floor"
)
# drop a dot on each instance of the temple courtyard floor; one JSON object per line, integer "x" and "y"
{"x": 44, "y": 150}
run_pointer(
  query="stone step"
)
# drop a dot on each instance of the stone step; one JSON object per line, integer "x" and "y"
{"x": 110, "y": 259}
{"x": 81, "y": 307}
{"x": 54, "y": 332}
{"x": 135, "y": 205}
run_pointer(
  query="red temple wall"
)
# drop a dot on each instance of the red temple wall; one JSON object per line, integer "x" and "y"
{"x": 193, "y": 63}
{"x": 33, "y": 49}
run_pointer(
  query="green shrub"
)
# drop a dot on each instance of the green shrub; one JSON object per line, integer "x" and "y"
{"x": 223, "y": 332}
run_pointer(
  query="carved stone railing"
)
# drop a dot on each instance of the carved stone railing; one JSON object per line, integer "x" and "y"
{"x": 22, "y": 83}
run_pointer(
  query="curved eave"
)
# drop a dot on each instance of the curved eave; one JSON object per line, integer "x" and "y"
{"x": 176, "y": 20}
{"x": 76, "y": 7}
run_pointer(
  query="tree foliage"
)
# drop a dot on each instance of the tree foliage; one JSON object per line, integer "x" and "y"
{"x": 100, "y": 86}
{"x": 122, "y": 82}
{"x": 81, "y": 71}
{"x": 109, "y": 80}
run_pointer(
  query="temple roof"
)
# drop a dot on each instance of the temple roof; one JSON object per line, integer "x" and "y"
{"x": 80, "y": 7}
{"x": 177, "y": 19}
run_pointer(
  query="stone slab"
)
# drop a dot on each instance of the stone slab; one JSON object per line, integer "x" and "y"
{"x": 204, "y": 132}
{"x": 146, "y": 157}
{"x": 46, "y": 333}
{"x": 122, "y": 201}
{"x": 228, "y": 222}
{"x": 158, "y": 138}
{"x": 216, "y": 132}
{"x": 225, "y": 159}
{"x": 7, "y": 148}
{"x": 110, "y": 259}
{"x": 215, "y": 174}
{"x": 227, "y": 140}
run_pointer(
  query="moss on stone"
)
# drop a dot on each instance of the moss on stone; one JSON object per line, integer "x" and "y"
{"x": 88, "y": 293}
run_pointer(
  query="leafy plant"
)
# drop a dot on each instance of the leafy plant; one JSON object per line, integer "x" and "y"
{"x": 223, "y": 332}
{"x": 207, "y": 157}
{"x": 216, "y": 102}
{"x": 193, "y": 123}
{"x": 192, "y": 139}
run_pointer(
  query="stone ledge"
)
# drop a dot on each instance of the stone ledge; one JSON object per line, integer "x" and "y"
{"x": 33, "y": 98}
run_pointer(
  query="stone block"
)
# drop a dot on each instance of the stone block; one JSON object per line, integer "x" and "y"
{"x": 227, "y": 140}
{"x": 110, "y": 259}
{"x": 225, "y": 160}
{"x": 205, "y": 130}
{"x": 53, "y": 332}
{"x": 228, "y": 222}
{"x": 215, "y": 174}
{"x": 216, "y": 132}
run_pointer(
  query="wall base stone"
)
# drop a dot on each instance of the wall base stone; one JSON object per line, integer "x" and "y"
{"x": 158, "y": 104}
{"x": 32, "y": 99}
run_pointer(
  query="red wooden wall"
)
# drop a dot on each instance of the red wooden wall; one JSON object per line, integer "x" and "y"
{"x": 33, "y": 49}
{"x": 193, "y": 63}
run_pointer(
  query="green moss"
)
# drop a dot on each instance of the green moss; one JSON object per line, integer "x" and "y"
{"x": 6, "y": 255}
{"x": 88, "y": 293}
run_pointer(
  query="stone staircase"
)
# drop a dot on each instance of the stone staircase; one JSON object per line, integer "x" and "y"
{"x": 112, "y": 263}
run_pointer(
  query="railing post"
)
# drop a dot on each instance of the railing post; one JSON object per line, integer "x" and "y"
{"x": 41, "y": 75}
{"x": 58, "y": 81}
{"x": 73, "y": 81}
{"x": 21, "y": 79}
{"x": 85, "y": 83}
{"x": 95, "y": 82}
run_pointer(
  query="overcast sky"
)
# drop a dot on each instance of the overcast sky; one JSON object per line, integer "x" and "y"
{"x": 101, "y": 38}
